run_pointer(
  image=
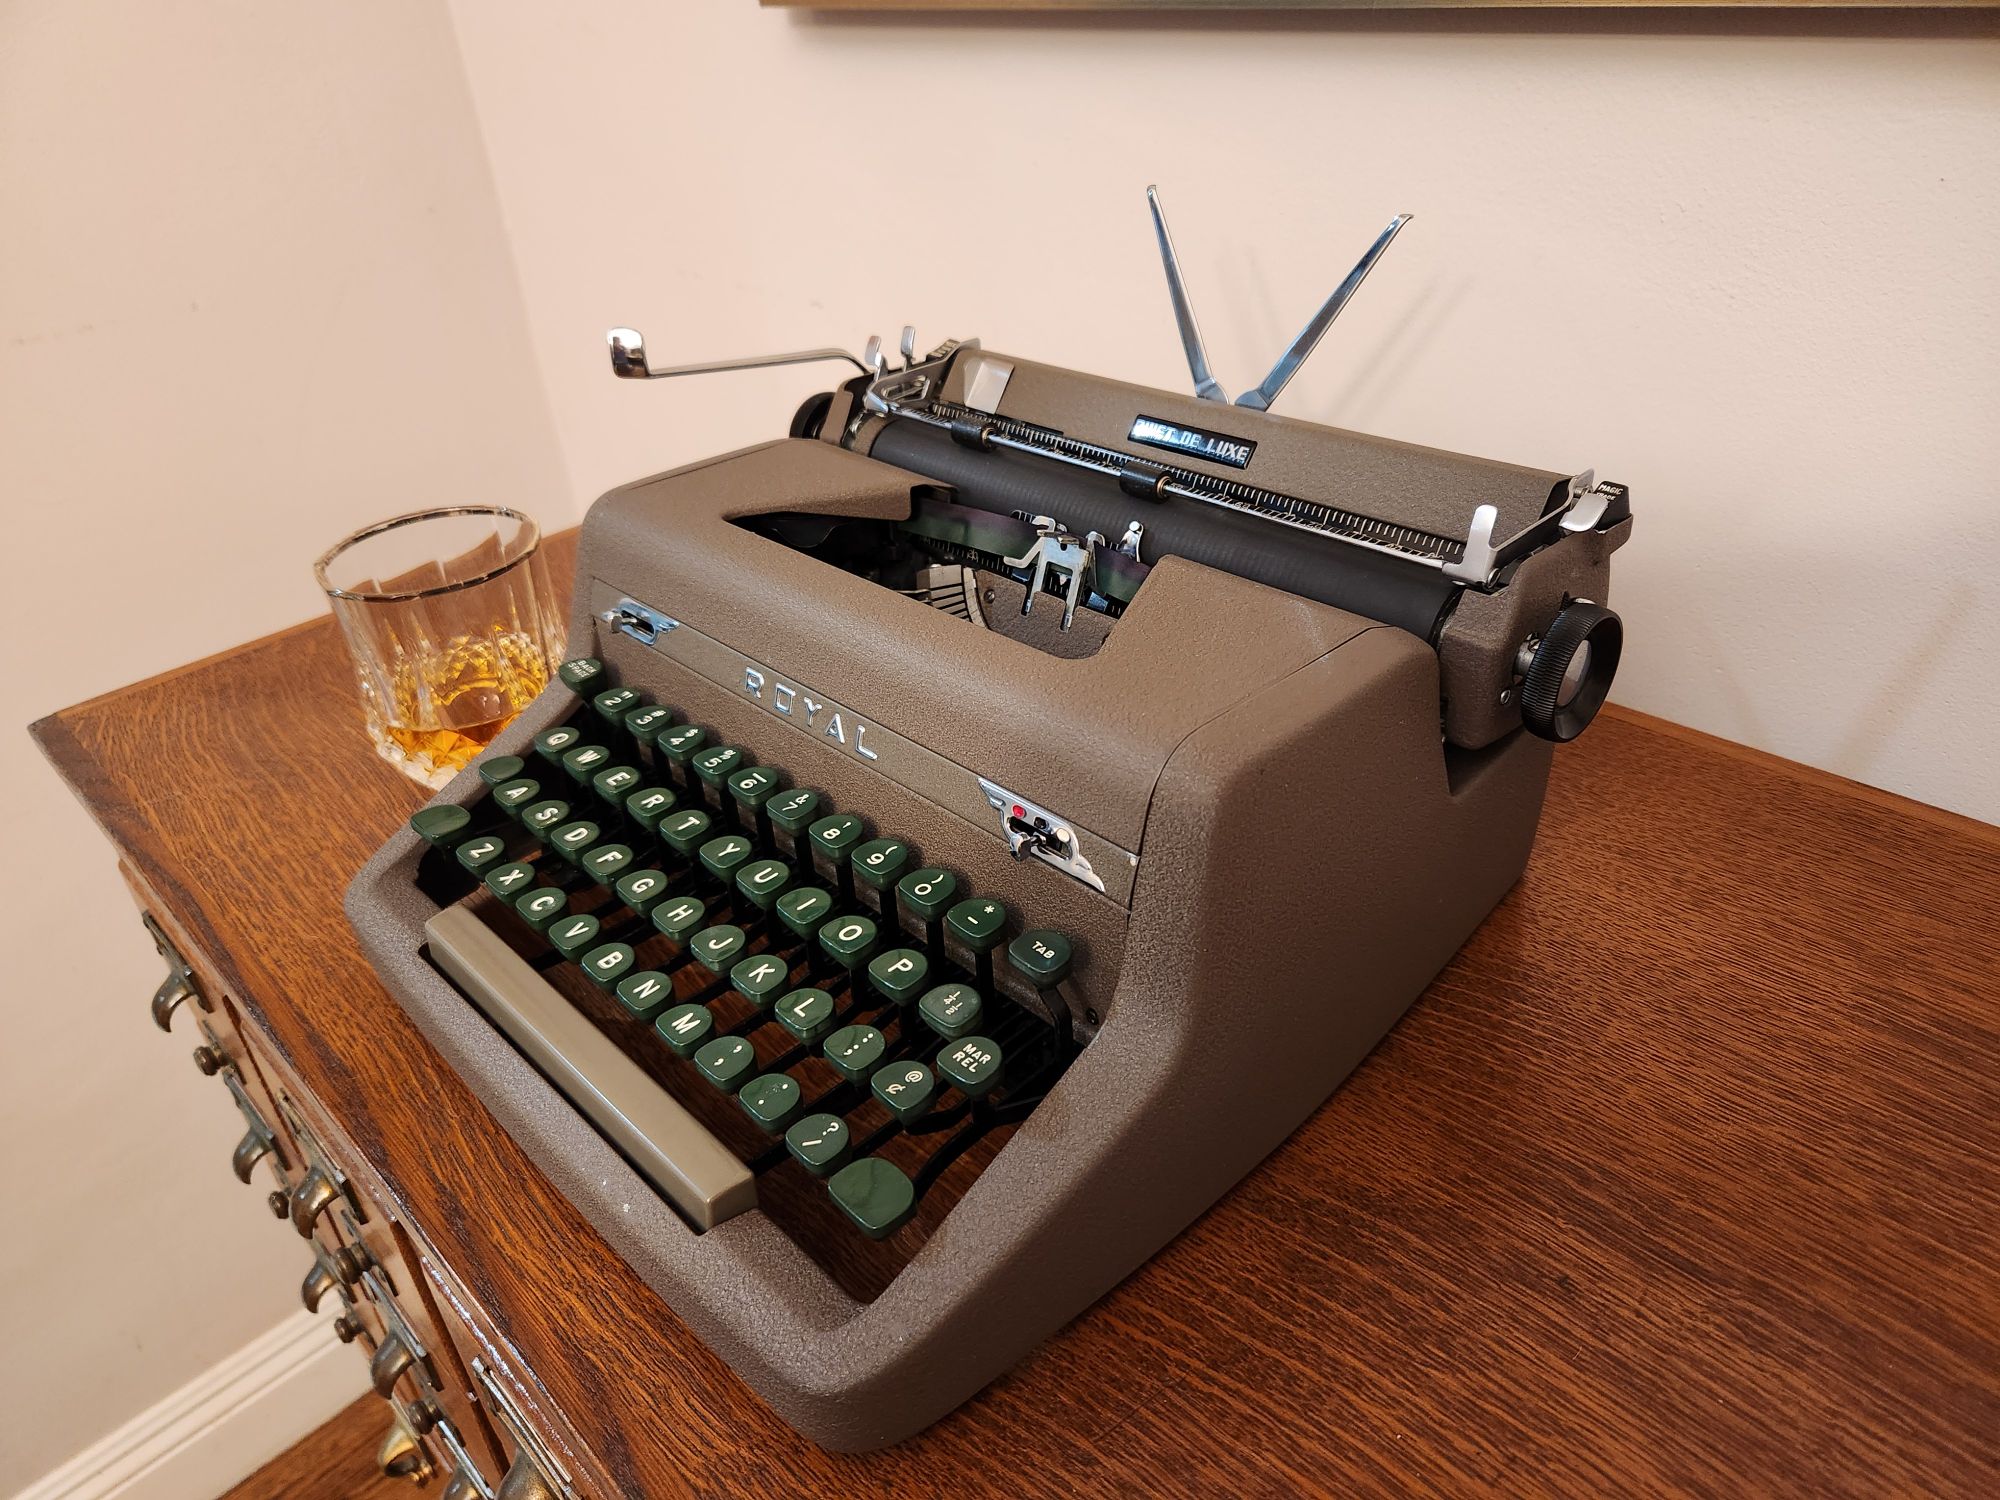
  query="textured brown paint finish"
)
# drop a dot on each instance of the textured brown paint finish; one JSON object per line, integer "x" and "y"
{"x": 1681, "y": 1177}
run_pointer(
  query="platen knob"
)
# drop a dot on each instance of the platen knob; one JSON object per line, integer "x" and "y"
{"x": 1567, "y": 673}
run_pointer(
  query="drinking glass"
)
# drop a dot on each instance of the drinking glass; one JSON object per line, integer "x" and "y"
{"x": 453, "y": 628}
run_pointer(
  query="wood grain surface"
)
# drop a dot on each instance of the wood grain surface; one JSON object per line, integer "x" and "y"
{"x": 336, "y": 1461}
{"x": 1680, "y": 1179}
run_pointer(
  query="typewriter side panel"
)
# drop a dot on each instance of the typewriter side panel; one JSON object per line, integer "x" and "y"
{"x": 1310, "y": 868}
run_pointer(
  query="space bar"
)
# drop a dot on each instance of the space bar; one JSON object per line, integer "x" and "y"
{"x": 671, "y": 1147}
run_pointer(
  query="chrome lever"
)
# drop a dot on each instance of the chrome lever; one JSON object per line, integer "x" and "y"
{"x": 628, "y": 359}
{"x": 1302, "y": 347}
{"x": 1205, "y": 384}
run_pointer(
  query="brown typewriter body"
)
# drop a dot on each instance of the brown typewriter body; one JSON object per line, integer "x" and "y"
{"x": 1287, "y": 839}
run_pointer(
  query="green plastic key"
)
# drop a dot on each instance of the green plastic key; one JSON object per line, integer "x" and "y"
{"x": 759, "y": 977}
{"x": 807, "y": 1014}
{"x": 848, "y": 940}
{"x": 477, "y": 854}
{"x": 875, "y": 1194}
{"x": 444, "y": 826}
{"x": 716, "y": 948}
{"x": 647, "y": 724}
{"x": 646, "y": 805}
{"x": 553, "y": 744}
{"x": 973, "y": 1063}
{"x": 855, "y": 1051}
{"x": 900, "y": 974}
{"x": 1041, "y": 956}
{"x": 927, "y": 895}
{"x": 496, "y": 770}
{"x": 905, "y": 1089}
{"x": 977, "y": 923}
{"x": 514, "y": 795}
{"x": 645, "y": 992}
{"x": 585, "y": 761}
{"x": 805, "y": 909}
{"x": 722, "y": 857}
{"x": 684, "y": 832}
{"x": 544, "y": 818}
{"x": 754, "y": 787}
{"x": 615, "y": 785}
{"x": 763, "y": 881}
{"x": 642, "y": 890}
{"x": 686, "y": 1029}
{"x": 539, "y": 908}
{"x": 820, "y": 1143}
{"x": 881, "y": 862}
{"x": 574, "y": 840}
{"x": 716, "y": 764}
{"x": 680, "y": 743}
{"x": 726, "y": 1062}
{"x": 834, "y": 837}
{"x": 773, "y": 1101}
{"x": 613, "y": 704}
{"x": 606, "y": 862}
{"x": 510, "y": 880}
{"x": 793, "y": 811}
{"x": 584, "y": 675}
{"x": 951, "y": 1010}
{"x": 608, "y": 963}
{"x": 680, "y": 918}
{"x": 573, "y": 935}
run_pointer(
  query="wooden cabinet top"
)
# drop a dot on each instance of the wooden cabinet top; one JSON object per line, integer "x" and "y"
{"x": 1682, "y": 1176}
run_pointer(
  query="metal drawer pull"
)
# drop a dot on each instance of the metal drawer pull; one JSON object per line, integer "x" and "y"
{"x": 526, "y": 1482}
{"x": 253, "y": 1148}
{"x": 401, "y": 1456}
{"x": 311, "y": 1198}
{"x": 175, "y": 990}
{"x": 319, "y": 1281}
{"x": 390, "y": 1361}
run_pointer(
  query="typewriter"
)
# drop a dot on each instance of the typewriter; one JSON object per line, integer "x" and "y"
{"x": 976, "y": 828}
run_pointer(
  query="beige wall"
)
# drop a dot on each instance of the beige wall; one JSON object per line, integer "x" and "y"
{"x": 1749, "y": 268}
{"x": 253, "y": 292}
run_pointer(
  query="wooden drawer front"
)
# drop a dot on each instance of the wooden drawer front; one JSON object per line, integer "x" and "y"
{"x": 359, "y": 1259}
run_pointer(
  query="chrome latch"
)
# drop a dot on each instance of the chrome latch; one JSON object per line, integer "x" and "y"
{"x": 1073, "y": 556}
{"x": 1033, "y": 830}
{"x": 640, "y": 621}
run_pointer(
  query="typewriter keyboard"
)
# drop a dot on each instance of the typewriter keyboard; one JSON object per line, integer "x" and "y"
{"x": 850, "y": 1029}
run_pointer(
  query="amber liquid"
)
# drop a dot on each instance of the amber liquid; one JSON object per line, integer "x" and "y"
{"x": 447, "y": 704}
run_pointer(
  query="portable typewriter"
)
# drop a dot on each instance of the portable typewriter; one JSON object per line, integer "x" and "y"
{"x": 976, "y": 829}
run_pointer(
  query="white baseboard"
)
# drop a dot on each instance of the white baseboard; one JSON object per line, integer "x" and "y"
{"x": 220, "y": 1427}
